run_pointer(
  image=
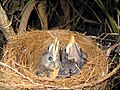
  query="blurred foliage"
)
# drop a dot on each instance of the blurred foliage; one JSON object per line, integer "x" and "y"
{"x": 111, "y": 20}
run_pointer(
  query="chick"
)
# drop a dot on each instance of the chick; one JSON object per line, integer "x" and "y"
{"x": 68, "y": 67}
{"x": 50, "y": 61}
{"x": 72, "y": 59}
{"x": 74, "y": 53}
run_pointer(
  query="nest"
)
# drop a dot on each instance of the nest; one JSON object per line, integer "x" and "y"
{"x": 20, "y": 62}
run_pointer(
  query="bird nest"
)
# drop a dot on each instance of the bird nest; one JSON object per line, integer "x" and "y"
{"x": 20, "y": 62}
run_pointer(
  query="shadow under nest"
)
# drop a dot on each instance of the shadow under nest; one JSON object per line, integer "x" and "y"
{"x": 20, "y": 62}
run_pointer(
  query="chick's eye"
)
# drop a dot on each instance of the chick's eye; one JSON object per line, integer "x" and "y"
{"x": 50, "y": 58}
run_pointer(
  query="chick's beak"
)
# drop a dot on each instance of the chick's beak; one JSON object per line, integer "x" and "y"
{"x": 55, "y": 49}
{"x": 71, "y": 42}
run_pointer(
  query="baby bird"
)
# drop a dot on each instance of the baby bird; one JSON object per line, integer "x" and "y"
{"x": 50, "y": 62}
{"x": 75, "y": 53}
{"x": 73, "y": 59}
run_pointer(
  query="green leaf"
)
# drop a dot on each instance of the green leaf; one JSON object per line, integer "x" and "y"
{"x": 118, "y": 11}
{"x": 112, "y": 22}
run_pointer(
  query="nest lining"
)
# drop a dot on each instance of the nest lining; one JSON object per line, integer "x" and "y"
{"x": 20, "y": 61}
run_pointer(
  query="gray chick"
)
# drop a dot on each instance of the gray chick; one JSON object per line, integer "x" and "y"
{"x": 50, "y": 61}
{"x": 73, "y": 58}
{"x": 75, "y": 53}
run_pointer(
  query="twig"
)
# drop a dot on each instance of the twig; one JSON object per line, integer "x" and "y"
{"x": 25, "y": 16}
{"x": 51, "y": 34}
{"x": 6, "y": 1}
{"x": 51, "y": 13}
{"x": 5, "y": 25}
{"x": 90, "y": 9}
{"x": 111, "y": 48}
{"x": 84, "y": 19}
{"x": 54, "y": 9}
{"x": 9, "y": 24}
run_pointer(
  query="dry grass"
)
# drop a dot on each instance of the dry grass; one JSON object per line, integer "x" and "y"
{"x": 20, "y": 61}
